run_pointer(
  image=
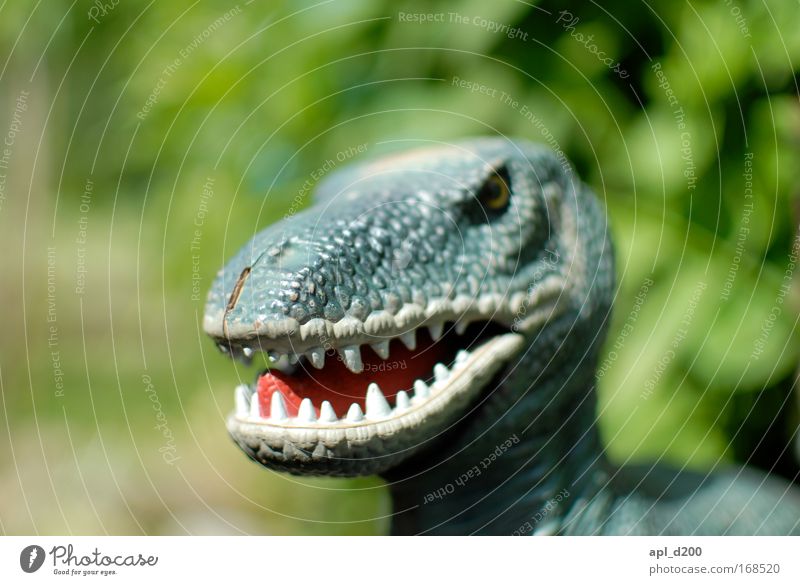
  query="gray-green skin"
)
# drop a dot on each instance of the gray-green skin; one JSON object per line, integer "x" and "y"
{"x": 393, "y": 237}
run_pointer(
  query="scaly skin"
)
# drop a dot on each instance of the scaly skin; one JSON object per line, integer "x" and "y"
{"x": 496, "y": 233}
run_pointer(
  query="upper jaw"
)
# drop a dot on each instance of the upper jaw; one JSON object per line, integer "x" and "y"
{"x": 288, "y": 337}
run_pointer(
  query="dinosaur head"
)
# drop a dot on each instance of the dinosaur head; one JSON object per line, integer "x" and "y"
{"x": 389, "y": 309}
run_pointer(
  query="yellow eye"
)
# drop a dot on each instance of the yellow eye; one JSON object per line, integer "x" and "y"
{"x": 495, "y": 193}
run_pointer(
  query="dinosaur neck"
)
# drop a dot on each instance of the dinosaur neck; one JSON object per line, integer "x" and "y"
{"x": 529, "y": 459}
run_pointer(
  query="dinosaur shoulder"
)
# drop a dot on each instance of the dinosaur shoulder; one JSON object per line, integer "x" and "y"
{"x": 735, "y": 501}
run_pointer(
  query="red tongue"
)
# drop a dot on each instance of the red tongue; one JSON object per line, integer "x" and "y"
{"x": 341, "y": 387}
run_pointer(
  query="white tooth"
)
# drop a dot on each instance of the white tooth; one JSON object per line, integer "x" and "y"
{"x": 382, "y": 349}
{"x": 377, "y": 407}
{"x": 243, "y": 400}
{"x": 277, "y": 408}
{"x": 223, "y": 348}
{"x": 462, "y": 356}
{"x": 461, "y": 326}
{"x": 409, "y": 339}
{"x": 421, "y": 389}
{"x": 435, "y": 330}
{"x": 293, "y": 358}
{"x": 440, "y": 372}
{"x": 306, "y": 411}
{"x": 255, "y": 408}
{"x": 281, "y": 361}
{"x": 274, "y": 356}
{"x": 326, "y": 412}
{"x": 247, "y": 351}
{"x": 317, "y": 357}
{"x": 355, "y": 414}
{"x": 352, "y": 358}
{"x": 402, "y": 401}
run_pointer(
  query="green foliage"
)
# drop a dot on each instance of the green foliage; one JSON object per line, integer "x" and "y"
{"x": 697, "y": 189}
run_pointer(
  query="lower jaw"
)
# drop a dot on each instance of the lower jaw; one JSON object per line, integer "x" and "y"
{"x": 375, "y": 445}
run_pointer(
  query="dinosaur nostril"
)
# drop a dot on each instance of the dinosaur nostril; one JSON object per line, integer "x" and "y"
{"x": 291, "y": 258}
{"x": 275, "y": 252}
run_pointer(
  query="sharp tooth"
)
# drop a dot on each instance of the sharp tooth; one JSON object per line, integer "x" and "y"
{"x": 255, "y": 408}
{"x": 282, "y": 362}
{"x": 274, "y": 356}
{"x": 377, "y": 407}
{"x": 247, "y": 351}
{"x": 461, "y": 326}
{"x": 242, "y": 400}
{"x": 409, "y": 339}
{"x": 402, "y": 401}
{"x": 462, "y": 356}
{"x": 326, "y": 412}
{"x": 440, "y": 372}
{"x": 381, "y": 348}
{"x": 277, "y": 410}
{"x": 306, "y": 411}
{"x": 355, "y": 414}
{"x": 421, "y": 389}
{"x": 223, "y": 348}
{"x": 317, "y": 357}
{"x": 352, "y": 358}
{"x": 435, "y": 330}
{"x": 293, "y": 358}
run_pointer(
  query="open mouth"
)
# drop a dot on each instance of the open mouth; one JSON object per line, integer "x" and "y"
{"x": 355, "y": 398}
{"x": 375, "y": 381}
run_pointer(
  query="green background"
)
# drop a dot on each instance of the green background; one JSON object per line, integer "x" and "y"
{"x": 256, "y": 97}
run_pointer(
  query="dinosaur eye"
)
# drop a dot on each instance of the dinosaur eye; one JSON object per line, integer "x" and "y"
{"x": 495, "y": 193}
